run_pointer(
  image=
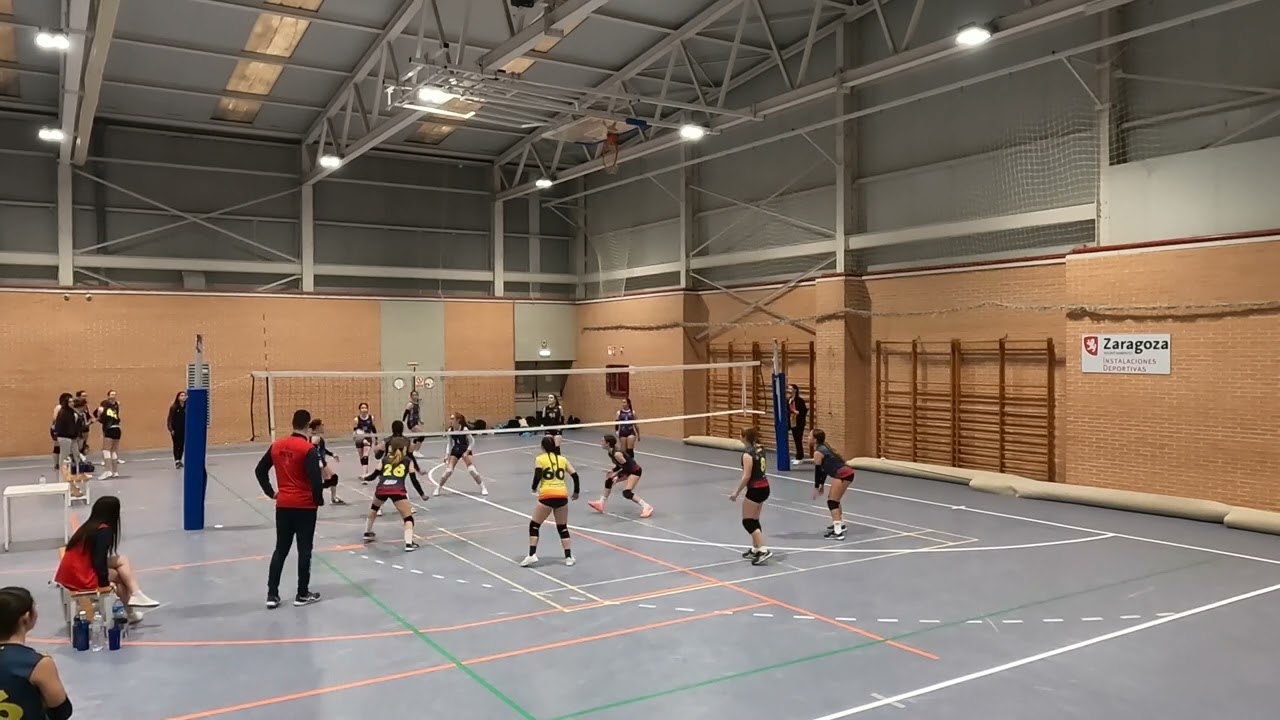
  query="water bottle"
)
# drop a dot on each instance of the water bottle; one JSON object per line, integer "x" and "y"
{"x": 97, "y": 633}
{"x": 119, "y": 616}
{"x": 80, "y": 632}
{"x": 43, "y": 480}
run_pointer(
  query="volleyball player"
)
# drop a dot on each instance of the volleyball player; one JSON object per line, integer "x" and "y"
{"x": 756, "y": 482}
{"x": 364, "y": 445}
{"x": 459, "y": 444}
{"x": 413, "y": 420}
{"x": 108, "y": 416}
{"x": 553, "y": 414}
{"x": 827, "y": 463}
{"x": 626, "y": 471}
{"x": 628, "y": 433}
{"x": 397, "y": 466}
{"x": 329, "y": 477}
{"x": 549, "y": 470}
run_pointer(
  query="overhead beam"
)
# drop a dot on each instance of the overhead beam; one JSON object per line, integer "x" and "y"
{"x": 73, "y": 73}
{"x": 104, "y": 27}
{"x": 388, "y": 129}
{"x": 561, "y": 19}
{"x": 407, "y": 12}
{"x": 650, "y": 56}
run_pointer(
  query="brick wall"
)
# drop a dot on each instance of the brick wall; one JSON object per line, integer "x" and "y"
{"x": 843, "y": 373}
{"x": 1211, "y": 429}
{"x": 480, "y": 336}
{"x": 139, "y": 346}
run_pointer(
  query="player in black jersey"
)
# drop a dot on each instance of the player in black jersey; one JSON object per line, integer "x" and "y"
{"x": 30, "y": 688}
{"x": 365, "y": 431}
{"x": 458, "y": 444}
{"x": 108, "y": 416}
{"x": 553, "y": 414}
{"x": 755, "y": 480}
{"x": 413, "y": 420}
{"x": 626, "y": 471}
{"x": 327, "y": 474}
{"x": 397, "y": 466}
{"x": 828, "y": 463}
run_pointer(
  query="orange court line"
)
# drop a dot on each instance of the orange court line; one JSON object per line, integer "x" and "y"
{"x": 766, "y": 598}
{"x": 390, "y": 633}
{"x": 533, "y": 649}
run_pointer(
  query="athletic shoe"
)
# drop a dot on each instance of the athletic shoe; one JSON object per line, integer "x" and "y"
{"x": 106, "y": 475}
{"x": 749, "y": 554}
{"x": 307, "y": 599}
{"x": 135, "y": 617}
{"x": 570, "y": 561}
{"x": 436, "y": 492}
{"x": 760, "y": 558}
{"x": 646, "y": 512}
{"x": 410, "y": 547}
{"x": 831, "y": 534}
{"x": 142, "y": 601}
{"x": 369, "y": 536}
{"x": 484, "y": 490}
{"x": 273, "y": 602}
{"x": 531, "y": 560}
{"x": 597, "y": 505}
{"x": 119, "y": 461}
{"x": 178, "y": 465}
{"x": 339, "y": 501}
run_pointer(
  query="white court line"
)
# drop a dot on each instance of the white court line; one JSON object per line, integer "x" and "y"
{"x": 1045, "y": 655}
{"x": 1138, "y": 538}
{"x": 895, "y": 704}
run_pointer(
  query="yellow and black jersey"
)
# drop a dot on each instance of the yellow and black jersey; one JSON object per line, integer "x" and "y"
{"x": 550, "y": 475}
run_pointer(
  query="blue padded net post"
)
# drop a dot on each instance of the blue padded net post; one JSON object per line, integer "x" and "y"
{"x": 193, "y": 469}
{"x": 781, "y": 413}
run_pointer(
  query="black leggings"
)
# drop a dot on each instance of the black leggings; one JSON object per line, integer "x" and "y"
{"x": 797, "y": 434}
{"x": 293, "y": 523}
{"x": 179, "y": 444}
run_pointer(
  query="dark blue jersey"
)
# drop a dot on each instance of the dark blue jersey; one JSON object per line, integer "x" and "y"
{"x": 18, "y": 697}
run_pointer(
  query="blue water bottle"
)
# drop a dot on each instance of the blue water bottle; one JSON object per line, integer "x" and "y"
{"x": 119, "y": 622}
{"x": 80, "y": 632}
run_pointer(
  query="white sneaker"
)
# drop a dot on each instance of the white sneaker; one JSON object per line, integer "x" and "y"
{"x": 135, "y": 617}
{"x": 436, "y": 492}
{"x": 142, "y": 601}
{"x": 119, "y": 461}
{"x": 531, "y": 560}
{"x": 484, "y": 490}
{"x": 106, "y": 475}
{"x": 570, "y": 561}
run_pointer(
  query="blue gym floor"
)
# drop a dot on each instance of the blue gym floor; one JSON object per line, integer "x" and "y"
{"x": 941, "y": 602}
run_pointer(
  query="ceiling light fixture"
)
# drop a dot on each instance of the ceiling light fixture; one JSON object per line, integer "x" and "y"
{"x": 543, "y": 183}
{"x": 58, "y": 41}
{"x": 434, "y": 95}
{"x": 973, "y": 35}
{"x": 439, "y": 111}
{"x": 329, "y": 161}
{"x": 692, "y": 133}
{"x": 52, "y": 134}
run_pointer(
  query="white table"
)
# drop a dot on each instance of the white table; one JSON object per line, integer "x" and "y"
{"x": 21, "y": 491}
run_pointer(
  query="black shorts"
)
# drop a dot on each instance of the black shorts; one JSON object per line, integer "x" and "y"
{"x": 626, "y": 432}
{"x": 758, "y": 494}
{"x": 389, "y": 497}
{"x": 364, "y": 443}
{"x": 455, "y": 452}
{"x": 111, "y": 433}
{"x": 554, "y": 503}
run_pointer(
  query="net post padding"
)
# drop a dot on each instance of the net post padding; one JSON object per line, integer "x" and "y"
{"x": 667, "y": 398}
{"x": 781, "y": 412}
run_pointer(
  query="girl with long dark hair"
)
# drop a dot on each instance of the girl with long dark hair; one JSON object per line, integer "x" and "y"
{"x": 29, "y": 683}
{"x": 755, "y": 480}
{"x": 92, "y": 563}
{"x": 177, "y": 424}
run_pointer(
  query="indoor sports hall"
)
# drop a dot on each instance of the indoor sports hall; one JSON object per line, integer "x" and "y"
{"x": 754, "y": 359}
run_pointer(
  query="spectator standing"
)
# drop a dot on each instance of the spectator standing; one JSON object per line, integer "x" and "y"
{"x": 296, "y": 462}
{"x": 177, "y": 424}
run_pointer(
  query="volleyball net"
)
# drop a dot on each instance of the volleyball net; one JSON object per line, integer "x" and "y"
{"x": 671, "y": 401}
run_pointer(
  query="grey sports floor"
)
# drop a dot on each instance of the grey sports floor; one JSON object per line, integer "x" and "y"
{"x": 941, "y": 603}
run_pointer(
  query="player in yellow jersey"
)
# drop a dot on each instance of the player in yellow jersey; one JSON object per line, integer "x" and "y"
{"x": 549, "y": 484}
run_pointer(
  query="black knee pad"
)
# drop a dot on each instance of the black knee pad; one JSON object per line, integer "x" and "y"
{"x": 364, "y": 461}
{"x": 331, "y": 482}
{"x": 409, "y": 519}
{"x": 833, "y": 504}
{"x": 628, "y": 494}
{"x": 630, "y": 453}
{"x": 608, "y": 483}
{"x": 375, "y": 507}
{"x": 564, "y": 531}
{"x": 534, "y": 529}
{"x": 750, "y": 525}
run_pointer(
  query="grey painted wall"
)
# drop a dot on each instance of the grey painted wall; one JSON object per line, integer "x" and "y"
{"x": 555, "y": 324}
{"x": 412, "y": 331}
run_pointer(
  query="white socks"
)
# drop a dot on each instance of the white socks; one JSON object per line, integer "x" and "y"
{"x": 474, "y": 473}
{"x": 408, "y": 533}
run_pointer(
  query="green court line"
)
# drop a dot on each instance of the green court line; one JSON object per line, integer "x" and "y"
{"x": 860, "y": 646}
{"x": 399, "y": 619}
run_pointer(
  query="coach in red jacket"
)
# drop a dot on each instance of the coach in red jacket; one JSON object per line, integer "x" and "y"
{"x": 297, "y": 465}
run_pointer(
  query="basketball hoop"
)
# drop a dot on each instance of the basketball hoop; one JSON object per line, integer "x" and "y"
{"x": 609, "y": 153}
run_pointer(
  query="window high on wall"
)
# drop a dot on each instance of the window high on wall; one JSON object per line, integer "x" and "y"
{"x": 617, "y": 384}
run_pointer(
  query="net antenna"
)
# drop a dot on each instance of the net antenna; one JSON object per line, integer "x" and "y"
{"x": 781, "y": 411}
{"x": 589, "y": 395}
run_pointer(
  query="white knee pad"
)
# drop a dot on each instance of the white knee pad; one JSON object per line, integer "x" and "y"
{"x": 474, "y": 472}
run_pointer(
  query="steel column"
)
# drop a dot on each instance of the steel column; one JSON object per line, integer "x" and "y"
{"x": 499, "y": 235}
{"x": 66, "y": 226}
{"x": 847, "y": 215}
{"x": 307, "y": 236}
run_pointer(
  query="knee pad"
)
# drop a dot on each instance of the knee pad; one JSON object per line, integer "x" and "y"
{"x": 471, "y": 469}
{"x": 534, "y": 529}
{"x": 409, "y": 520}
{"x": 750, "y": 525}
{"x": 364, "y": 461}
{"x": 833, "y": 504}
{"x": 375, "y": 507}
{"x": 628, "y": 494}
{"x": 564, "y": 531}
{"x": 608, "y": 483}
{"x": 630, "y": 453}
